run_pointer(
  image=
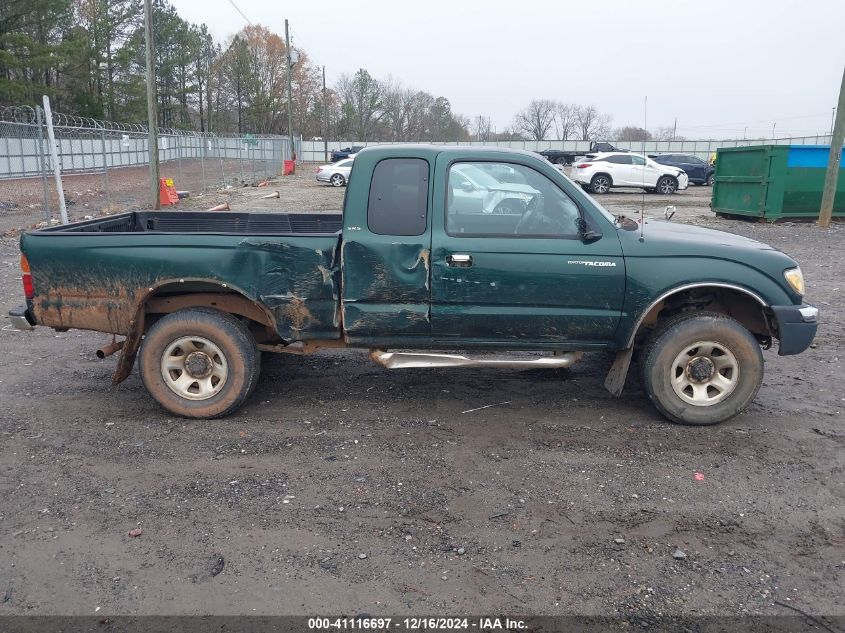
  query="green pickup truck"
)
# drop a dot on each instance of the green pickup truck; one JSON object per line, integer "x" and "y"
{"x": 438, "y": 248}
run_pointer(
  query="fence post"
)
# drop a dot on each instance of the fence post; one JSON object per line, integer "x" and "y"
{"x": 240, "y": 159}
{"x": 220, "y": 156}
{"x": 179, "y": 157}
{"x": 203, "y": 145}
{"x": 43, "y": 163}
{"x": 57, "y": 173}
{"x": 106, "y": 171}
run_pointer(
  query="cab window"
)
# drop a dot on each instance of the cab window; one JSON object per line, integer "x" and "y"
{"x": 480, "y": 204}
{"x": 398, "y": 202}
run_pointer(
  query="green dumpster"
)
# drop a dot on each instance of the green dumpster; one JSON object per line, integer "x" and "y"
{"x": 774, "y": 181}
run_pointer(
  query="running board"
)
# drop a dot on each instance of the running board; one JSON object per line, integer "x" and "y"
{"x": 410, "y": 360}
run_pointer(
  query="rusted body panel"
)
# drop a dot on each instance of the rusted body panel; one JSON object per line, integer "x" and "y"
{"x": 98, "y": 281}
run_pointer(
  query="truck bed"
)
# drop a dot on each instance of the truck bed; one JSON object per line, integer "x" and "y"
{"x": 214, "y": 222}
{"x": 95, "y": 274}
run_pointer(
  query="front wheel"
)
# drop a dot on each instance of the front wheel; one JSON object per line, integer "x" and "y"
{"x": 199, "y": 363}
{"x": 702, "y": 368}
{"x": 600, "y": 184}
{"x": 710, "y": 180}
{"x": 667, "y": 185}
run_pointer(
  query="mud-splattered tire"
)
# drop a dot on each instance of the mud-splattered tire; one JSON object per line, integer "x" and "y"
{"x": 199, "y": 363}
{"x": 701, "y": 368}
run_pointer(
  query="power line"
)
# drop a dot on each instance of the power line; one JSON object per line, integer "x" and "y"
{"x": 238, "y": 9}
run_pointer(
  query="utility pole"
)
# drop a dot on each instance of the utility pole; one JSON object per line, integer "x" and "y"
{"x": 834, "y": 162}
{"x": 152, "y": 114}
{"x": 290, "y": 91}
{"x": 325, "y": 118}
{"x": 675, "y": 129}
{"x": 773, "y": 129}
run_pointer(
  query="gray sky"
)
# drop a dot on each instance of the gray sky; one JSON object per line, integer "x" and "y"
{"x": 717, "y": 65}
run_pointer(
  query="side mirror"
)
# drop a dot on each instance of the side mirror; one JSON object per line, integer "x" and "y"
{"x": 587, "y": 234}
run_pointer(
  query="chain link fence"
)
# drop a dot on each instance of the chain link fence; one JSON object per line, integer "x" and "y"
{"x": 104, "y": 166}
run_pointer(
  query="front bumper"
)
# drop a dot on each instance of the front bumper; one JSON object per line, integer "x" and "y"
{"x": 21, "y": 319}
{"x": 683, "y": 181}
{"x": 797, "y": 326}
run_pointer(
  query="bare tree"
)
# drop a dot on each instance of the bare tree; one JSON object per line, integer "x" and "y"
{"x": 564, "y": 121}
{"x": 482, "y": 128}
{"x": 590, "y": 123}
{"x": 631, "y": 133}
{"x": 667, "y": 133}
{"x": 536, "y": 120}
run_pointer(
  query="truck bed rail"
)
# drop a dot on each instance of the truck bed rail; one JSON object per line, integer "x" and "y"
{"x": 246, "y": 223}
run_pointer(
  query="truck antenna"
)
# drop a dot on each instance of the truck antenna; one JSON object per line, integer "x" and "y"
{"x": 642, "y": 202}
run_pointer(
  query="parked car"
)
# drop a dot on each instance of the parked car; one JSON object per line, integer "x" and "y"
{"x": 337, "y": 174}
{"x": 346, "y": 152}
{"x": 700, "y": 172}
{"x": 567, "y": 157}
{"x": 603, "y": 171}
{"x": 199, "y": 296}
{"x": 474, "y": 190}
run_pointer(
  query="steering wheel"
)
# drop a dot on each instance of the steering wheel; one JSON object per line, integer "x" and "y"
{"x": 535, "y": 222}
{"x": 531, "y": 210}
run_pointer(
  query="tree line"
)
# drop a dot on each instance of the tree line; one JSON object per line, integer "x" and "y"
{"x": 88, "y": 57}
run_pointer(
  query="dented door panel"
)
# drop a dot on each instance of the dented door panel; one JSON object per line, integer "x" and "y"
{"x": 386, "y": 278}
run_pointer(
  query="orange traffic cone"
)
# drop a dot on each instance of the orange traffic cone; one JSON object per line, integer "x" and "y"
{"x": 167, "y": 192}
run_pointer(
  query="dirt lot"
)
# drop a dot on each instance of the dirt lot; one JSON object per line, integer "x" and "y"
{"x": 345, "y": 488}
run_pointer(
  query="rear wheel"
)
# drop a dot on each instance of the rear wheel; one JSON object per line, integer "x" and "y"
{"x": 199, "y": 363}
{"x": 337, "y": 180}
{"x": 702, "y": 368}
{"x": 600, "y": 184}
{"x": 667, "y": 185}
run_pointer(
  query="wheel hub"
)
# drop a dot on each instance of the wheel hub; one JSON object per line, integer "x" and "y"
{"x": 704, "y": 373}
{"x": 194, "y": 367}
{"x": 700, "y": 369}
{"x": 198, "y": 365}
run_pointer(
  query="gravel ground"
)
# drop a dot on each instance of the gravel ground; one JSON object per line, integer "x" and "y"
{"x": 347, "y": 488}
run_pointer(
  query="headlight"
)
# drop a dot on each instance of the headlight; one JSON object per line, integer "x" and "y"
{"x": 795, "y": 279}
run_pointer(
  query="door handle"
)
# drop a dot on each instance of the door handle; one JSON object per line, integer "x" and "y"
{"x": 459, "y": 260}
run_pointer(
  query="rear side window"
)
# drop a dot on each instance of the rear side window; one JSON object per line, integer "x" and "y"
{"x": 398, "y": 202}
{"x": 619, "y": 160}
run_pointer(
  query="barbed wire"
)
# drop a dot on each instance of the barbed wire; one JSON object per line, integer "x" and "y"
{"x": 27, "y": 115}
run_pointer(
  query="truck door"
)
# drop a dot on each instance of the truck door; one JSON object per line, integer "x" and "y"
{"x": 522, "y": 276}
{"x": 385, "y": 252}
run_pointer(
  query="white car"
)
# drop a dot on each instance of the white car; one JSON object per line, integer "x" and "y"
{"x": 336, "y": 174}
{"x": 621, "y": 169}
{"x": 475, "y": 190}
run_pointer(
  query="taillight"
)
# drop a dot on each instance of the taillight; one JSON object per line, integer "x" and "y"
{"x": 584, "y": 165}
{"x": 26, "y": 277}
